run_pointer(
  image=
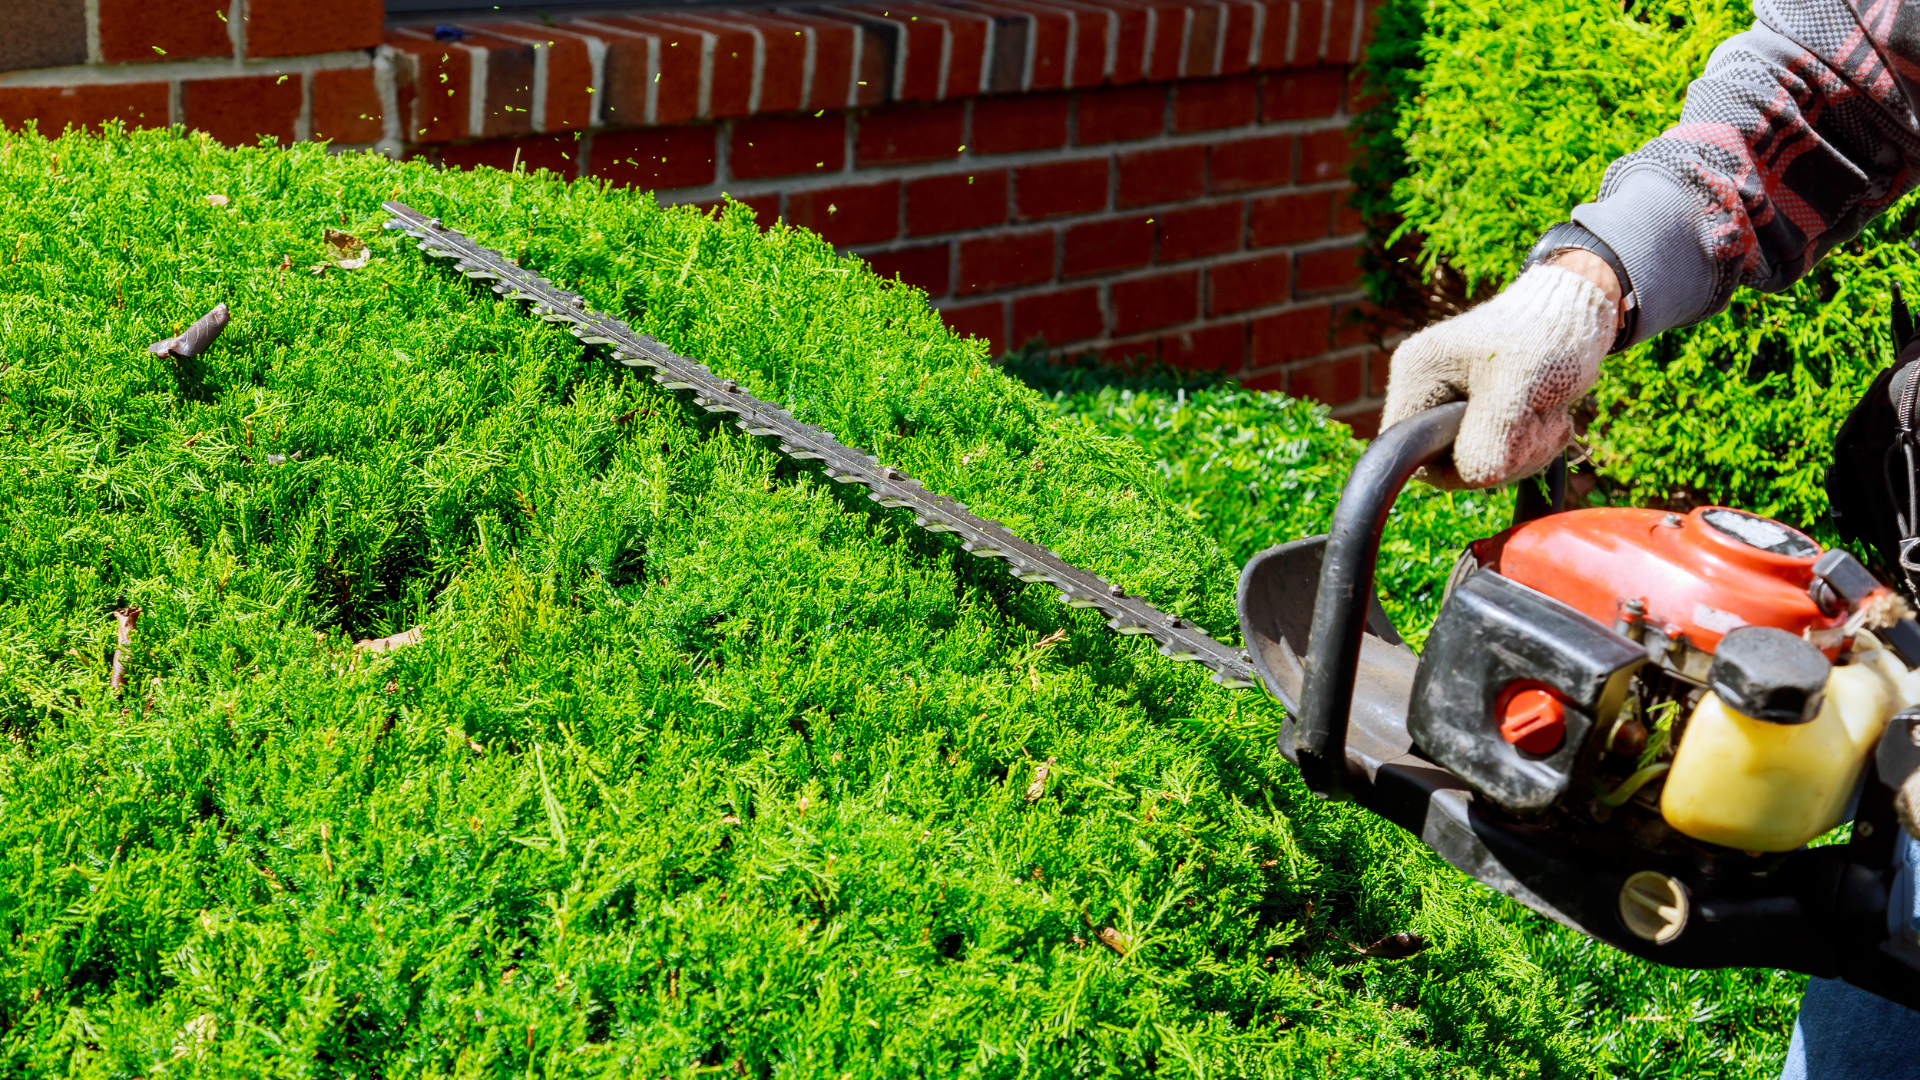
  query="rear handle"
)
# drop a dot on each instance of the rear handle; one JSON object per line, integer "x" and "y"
{"x": 1346, "y": 588}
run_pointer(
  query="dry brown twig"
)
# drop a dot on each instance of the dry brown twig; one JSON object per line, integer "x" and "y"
{"x": 125, "y": 618}
{"x": 389, "y": 643}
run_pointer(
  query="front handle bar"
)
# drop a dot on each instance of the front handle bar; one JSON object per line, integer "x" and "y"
{"x": 1346, "y": 588}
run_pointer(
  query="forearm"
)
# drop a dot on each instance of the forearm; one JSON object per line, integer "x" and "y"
{"x": 1783, "y": 150}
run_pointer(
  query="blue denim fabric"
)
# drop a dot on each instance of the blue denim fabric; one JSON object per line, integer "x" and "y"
{"x": 1844, "y": 1033}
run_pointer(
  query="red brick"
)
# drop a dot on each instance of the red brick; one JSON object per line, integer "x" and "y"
{"x": 1157, "y": 176}
{"x": 1272, "y": 380}
{"x": 1273, "y": 36}
{"x": 788, "y": 146}
{"x": 1103, "y": 247}
{"x": 1060, "y": 187}
{"x": 1246, "y": 284}
{"x": 302, "y": 27}
{"x": 1209, "y": 348}
{"x": 434, "y": 84}
{"x": 1340, "y": 33}
{"x": 1195, "y": 232}
{"x": 871, "y": 86}
{"x": 1027, "y": 122}
{"x": 54, "y": 108}
{"x": 674, "y": 83}
{"x": 1245, "y": 164}
{"x": 1150, "y": 303}
{"x": 1005, "y": 261}
{"x": 1120, "y": 115}
{"x": 1286, "y": 336}
{"x": 142, "y": 31}
{"x": 1331, "y": 382}
{"x": 967, "y": 44}
{"x": 237, "y": 112}
{"x": 784, "y": 69}
{"x": 1355, "y": 324}
{"x": 1212, "y": 104}
{"x": 1306, "y": 39}
{"x": 1203, "y": 35}
{"x": 509, "y": 105}
{"x": 1129, "y": 43}
{"x": 730, "y": 81}
{"x": 1325, "y": 271}
{"x": 569, "y": 70}
{"x": 626, "y": 74}
{"x": 669, "y": 72}
{"x": 559, "y": 154}
{"x": 915, "y": 45}
{"x": 1237, "y": 56}
{"x": 938, "y": 204}
{"x": 987, "y": 321}
{"x": 1089, "y": 47}
{"x": 765, "y": 208}
{"x": 904, "y": 134}
{"x": 844, "y": 216}
{"x": 833, "y": 46}
{"x": 1346, "y": 216}
{"x": 926, "y": 268}
{"x": 1043, "y": 32}
{"x": 346, "y": 106}
{"x": 1289, "y": 218}
{"x": 1125, "y": 352}
{"x": 1058, "y": 318}
{"x": 1163, "y": 53}
{"x": 1302, "y": 94}
{"x": 1365, "y": 423}
{"x": 657, "y": 159}
{"x": 1323, "y": 156}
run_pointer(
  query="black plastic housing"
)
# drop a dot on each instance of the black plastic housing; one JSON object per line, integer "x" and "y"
{"x": 1494, "y": 633}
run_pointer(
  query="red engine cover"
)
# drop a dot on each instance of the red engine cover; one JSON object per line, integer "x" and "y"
{"x": 1700, "y": 575}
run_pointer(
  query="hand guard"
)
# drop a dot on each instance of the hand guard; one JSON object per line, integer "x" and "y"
{"x": 1520, "y": 360}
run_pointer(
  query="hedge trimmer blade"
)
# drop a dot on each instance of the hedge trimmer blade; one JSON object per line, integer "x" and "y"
{"x": 1178, "y": 638}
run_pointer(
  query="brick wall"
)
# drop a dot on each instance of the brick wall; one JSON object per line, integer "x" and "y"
{"x": 1157, "y": 177}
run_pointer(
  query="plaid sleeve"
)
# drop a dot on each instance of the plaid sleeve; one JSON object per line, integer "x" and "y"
{"x": 1798, "y": 133}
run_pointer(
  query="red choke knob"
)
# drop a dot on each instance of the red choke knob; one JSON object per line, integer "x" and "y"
{"x": 1535, "y": 721}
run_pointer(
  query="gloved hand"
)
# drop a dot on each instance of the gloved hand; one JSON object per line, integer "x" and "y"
{"x": 1520, "y": 360}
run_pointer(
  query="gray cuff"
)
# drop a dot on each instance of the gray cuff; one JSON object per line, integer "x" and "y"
{"x": 1653, "y": 223}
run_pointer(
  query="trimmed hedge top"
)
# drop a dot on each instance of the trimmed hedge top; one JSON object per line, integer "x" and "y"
{"x": 701, "y": 764}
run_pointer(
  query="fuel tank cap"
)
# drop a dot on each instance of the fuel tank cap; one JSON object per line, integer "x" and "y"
{"x": 1769, "y": 674}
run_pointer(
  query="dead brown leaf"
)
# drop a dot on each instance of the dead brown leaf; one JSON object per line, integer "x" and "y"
{"x": 1115, "y": 940}
{"x": 1039, "y": 785}
{"x": 345, "y": 251}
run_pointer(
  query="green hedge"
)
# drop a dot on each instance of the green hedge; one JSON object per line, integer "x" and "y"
{"x": 704, "y": 766}
{"x": 1509, "y": 121}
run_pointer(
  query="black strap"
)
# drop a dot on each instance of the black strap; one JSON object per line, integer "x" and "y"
{"x": 1572, "y": 234}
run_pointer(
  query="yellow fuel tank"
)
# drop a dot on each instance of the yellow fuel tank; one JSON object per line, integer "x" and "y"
{"x": 1763, "y": 786}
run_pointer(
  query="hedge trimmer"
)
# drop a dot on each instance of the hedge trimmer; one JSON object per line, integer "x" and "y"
{"x": 1632, "y": 722}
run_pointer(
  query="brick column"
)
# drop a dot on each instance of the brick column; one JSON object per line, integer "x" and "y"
{"x": 1130, "y": 177}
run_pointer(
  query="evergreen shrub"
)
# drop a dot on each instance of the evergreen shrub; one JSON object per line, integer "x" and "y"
{"x": 703, "y": 765}
{"x": 1508, "y": 121}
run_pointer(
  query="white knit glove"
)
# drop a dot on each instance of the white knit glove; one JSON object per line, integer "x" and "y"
{"x": 1520, "y": 360}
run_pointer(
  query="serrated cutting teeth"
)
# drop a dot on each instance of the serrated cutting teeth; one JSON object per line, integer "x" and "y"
{"x": 1178, "y": 638}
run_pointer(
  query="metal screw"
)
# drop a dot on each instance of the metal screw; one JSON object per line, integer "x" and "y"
{"x": 732, "y": 387}
{"x": 1115, "y": 590}
{"x": 1672, "y": 521}
{"x": 896, "y": 474}
{"x": 1173, "y": 620}
{"x": 434, "y": 223}
{"x": 580, "y": 301}
{"x": 1863, "y": 829}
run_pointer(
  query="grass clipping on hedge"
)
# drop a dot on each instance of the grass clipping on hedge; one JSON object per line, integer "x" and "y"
{"x": 698, "y": 764}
